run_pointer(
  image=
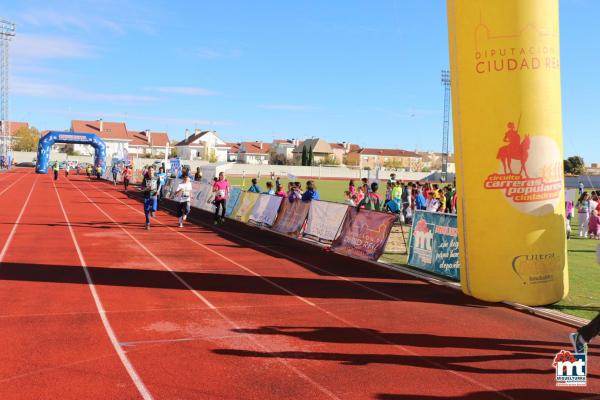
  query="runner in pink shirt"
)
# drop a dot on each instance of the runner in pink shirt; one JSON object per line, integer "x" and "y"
{"x": 221, "y": 190}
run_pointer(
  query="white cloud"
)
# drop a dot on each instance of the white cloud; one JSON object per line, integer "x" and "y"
{"x": 28, "y": 47}
{"x": 183, "y": 90}
{"x": 70, "y": 20}
{"x": 30, "y": 88}
{"x": 138, "y": 118}
{"x": 287, "y": 107}
{"x": 212, "y": 54}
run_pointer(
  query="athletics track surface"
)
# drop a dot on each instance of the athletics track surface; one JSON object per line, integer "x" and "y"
{"x": 198, "y": 313}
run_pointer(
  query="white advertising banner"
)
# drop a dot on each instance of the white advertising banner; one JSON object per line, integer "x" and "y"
{"x": 324, "y": 220}
{"x": 265, "y": 209}
{"x": 202, "y": 196}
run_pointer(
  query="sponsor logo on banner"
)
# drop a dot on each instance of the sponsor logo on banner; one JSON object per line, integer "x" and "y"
{"x": 324, "y": 220}
{"x": 423, "y": 241}
{"x": 539, "y": 268}
{"x": 529, "y": 177}
{"x": 364, "y": 234}
{"x": 571, "y": 368}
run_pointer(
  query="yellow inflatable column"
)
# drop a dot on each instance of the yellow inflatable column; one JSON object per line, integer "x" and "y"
{"x": 505, "y": 71}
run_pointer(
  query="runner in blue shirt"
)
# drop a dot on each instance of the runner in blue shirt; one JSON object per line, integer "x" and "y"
{"x": 162, "y": 178}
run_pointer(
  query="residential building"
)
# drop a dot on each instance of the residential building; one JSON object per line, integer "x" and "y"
{"x": 341, "y": 150}
{"x": 389, "y": 158}
{"x": 282, "y": 151}
{"x": 232, "y": 152}
{"x": 254, "y": 153}
{"x": 202, "y": 145}
{"x": 321, "y": 150}
{"x": 149, "y": 144}
{"x": 114, "y": 135}
{"x": 13, "y": 127}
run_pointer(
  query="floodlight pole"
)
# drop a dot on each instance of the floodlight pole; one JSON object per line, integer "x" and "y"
{"x": 7, "y": 33}
{"x": 446, "y": 126}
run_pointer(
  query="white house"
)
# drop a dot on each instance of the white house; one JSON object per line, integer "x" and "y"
{"x": 254, "y": 153}
{"x": 149, "y": 143}
{"x": 202, "y": 145}
{"x": 114, "y": 135}
{"x": 282, "y": 150}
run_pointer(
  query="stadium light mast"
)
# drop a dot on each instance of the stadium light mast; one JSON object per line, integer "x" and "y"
{"x": 446, "y": 126}
{"x": 7, "y": 33}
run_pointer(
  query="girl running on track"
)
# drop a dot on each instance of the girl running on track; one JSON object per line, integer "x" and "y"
{"x": 183, "y": 194}
{"x": 221, "y": 190}
{"x": 150, "y": 189}
{"x": 127, "y": 174}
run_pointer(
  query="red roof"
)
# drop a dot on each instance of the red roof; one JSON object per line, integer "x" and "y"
{"x": 14, "y": 126}
{"x": 110, "y": 130}
{"x": 388, "y": 152}
{"x": 233, "y": 147}
{"x": 283, "y": 141}
{"x": 158, "y": 139}
{"x": 254, "y": 147}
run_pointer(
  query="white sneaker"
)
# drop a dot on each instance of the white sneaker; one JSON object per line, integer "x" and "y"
{"x": 185, "y": 217}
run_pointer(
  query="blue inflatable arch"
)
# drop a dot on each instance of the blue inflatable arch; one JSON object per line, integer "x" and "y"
{"x": 45, "y": 145}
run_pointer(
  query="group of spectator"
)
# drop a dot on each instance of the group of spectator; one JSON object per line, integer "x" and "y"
{"x": 294, "y": 190}
{"x": 588, "y": 208}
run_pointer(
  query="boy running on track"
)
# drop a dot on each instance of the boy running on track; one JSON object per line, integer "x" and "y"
{"x": 183, "y": 194}
{"x": 98, "y": 172}
{"x": 56, "y": 169}
{"x": 127, "y": 177}
{"x": 221, "y": 190}
{"x": 115, "y": 172}
{"x": 585, "y": 334}
{"x": 67, "y": 170}
{"x": 150, "y": 189}
{"x": 88, "y": 171}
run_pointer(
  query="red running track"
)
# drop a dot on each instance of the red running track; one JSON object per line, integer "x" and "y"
{"x": 93, "y": 306}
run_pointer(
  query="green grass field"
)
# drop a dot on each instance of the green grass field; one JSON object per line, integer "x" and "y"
{"x": 584, "y": 273}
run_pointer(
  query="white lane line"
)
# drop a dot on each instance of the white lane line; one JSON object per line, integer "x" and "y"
{"x": 367, "y": 332}
{"x": 14, "y": 183}
{"x": 139, "y": 384}
{"x": 16, "y": 224}
{"x": 207, "y": 248}
{"x": 150, "y": 253}
{"x": 232, "y": 323}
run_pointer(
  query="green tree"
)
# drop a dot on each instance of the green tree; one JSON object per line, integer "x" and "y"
{"x": 26, "y": 139}
{"x": 304, "y": 156}
{"x": 577, "y": 165}
{"x": 568, "y": 167}
{"x": 212, "y": 158}
{"x": 311, "y": 157}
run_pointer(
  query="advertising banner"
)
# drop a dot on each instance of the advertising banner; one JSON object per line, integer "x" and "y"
{"x": 291, "y": 217}
{"x": 242, "y": 210}
{"x": 434, "y": 244}
{"x": 364, "y": 234}
{"x": 175, "y": 167}
{"x": 324, "y": 221}
{"x": 170, "y": 188}
{"x": 234, "y": 196}
{"x": 201, "y": 196}
{"x": 265, "y": 210}
{"x": 506, "y": 103}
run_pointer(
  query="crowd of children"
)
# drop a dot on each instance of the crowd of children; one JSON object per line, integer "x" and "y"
{"x": 588, "y": 210}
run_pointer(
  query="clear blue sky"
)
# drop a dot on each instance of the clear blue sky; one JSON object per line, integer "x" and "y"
{"x": 360, "y": 71}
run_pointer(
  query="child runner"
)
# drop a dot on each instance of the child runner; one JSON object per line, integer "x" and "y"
{"x": 150, "y": 189}
{"x": 162, "y": 178}
{"x": 67, "y": 167}
{"x": 115, "y": 172}
{"x": 88, "y": 171}
{"x": 127, "y": 174}
{"x": 56, "y": 169}
{"x": 183, "y": 193}
{"x": 98, "y": 172}
{"x": 221, "y": 190}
